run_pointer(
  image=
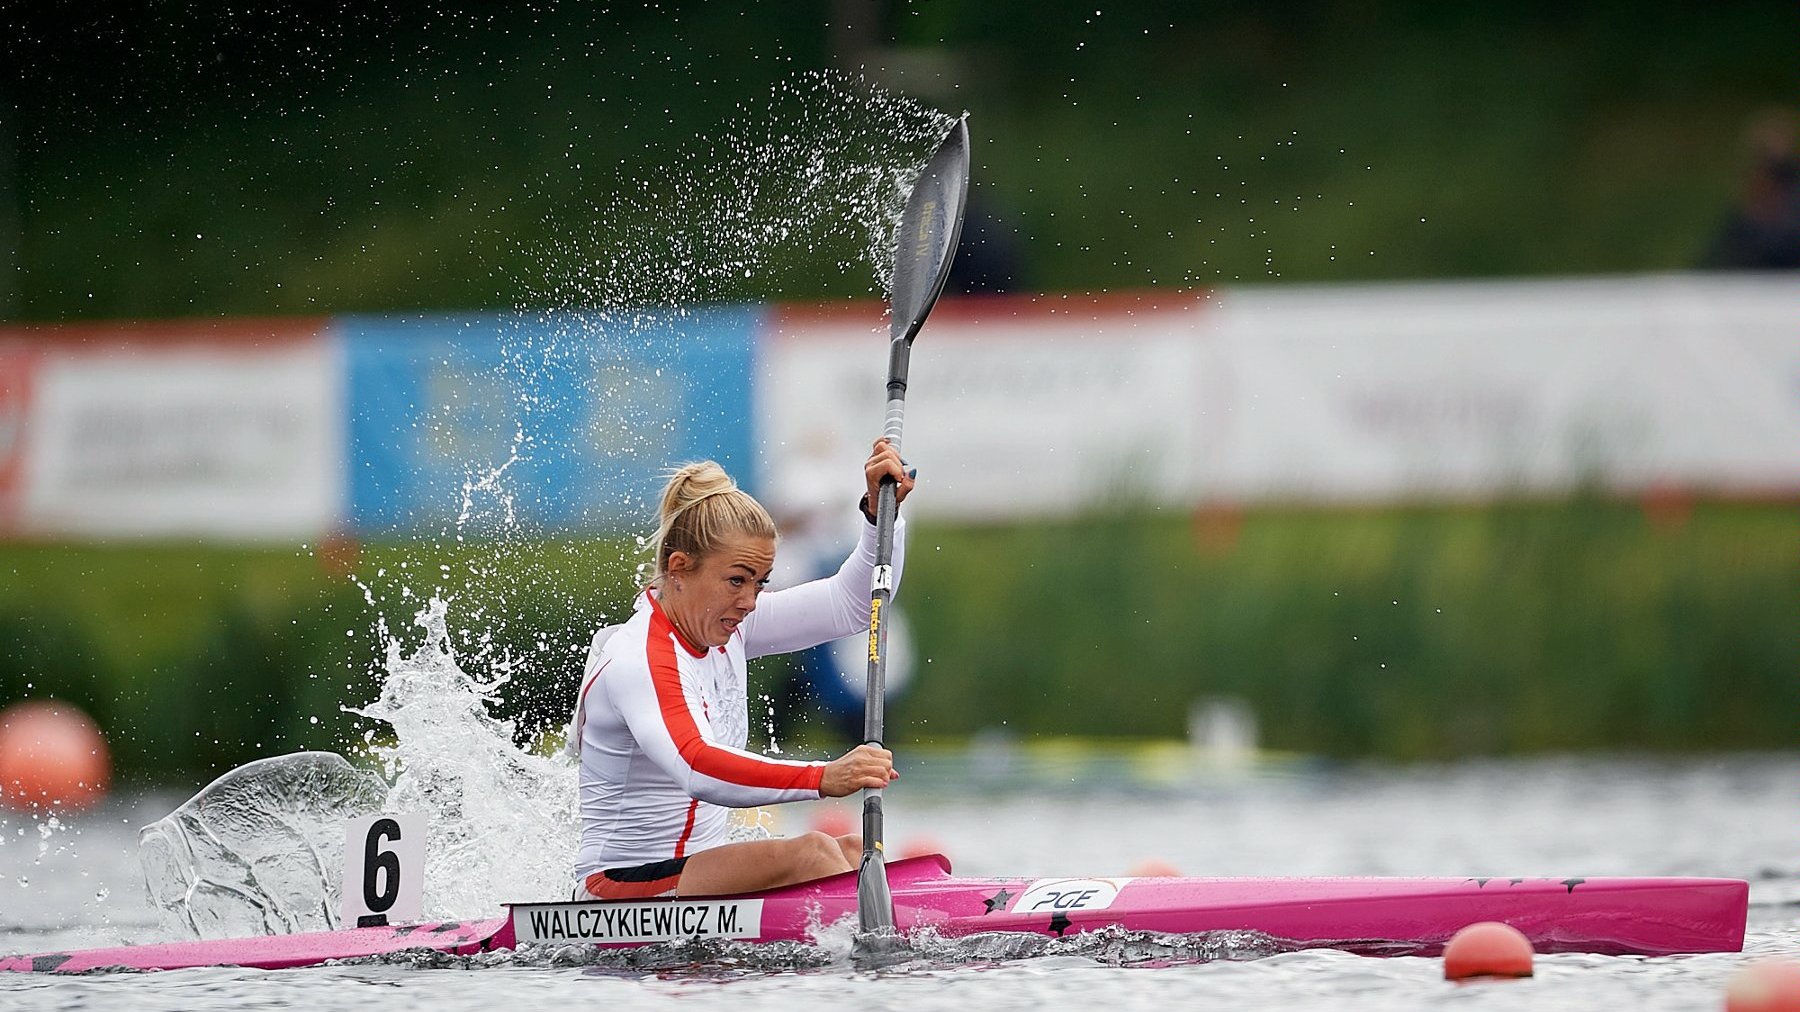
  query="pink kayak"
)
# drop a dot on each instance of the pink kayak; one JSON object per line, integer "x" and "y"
{"x": 1648, "y": 916}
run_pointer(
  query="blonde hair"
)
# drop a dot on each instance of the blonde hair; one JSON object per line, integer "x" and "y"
{"x": 702, "y": 506}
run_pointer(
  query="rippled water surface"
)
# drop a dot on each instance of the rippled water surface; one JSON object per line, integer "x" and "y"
{"x": 78, "y": 884}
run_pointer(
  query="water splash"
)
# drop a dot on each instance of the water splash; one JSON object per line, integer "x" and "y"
{"x": 811, "y": 177}
{"x": 259, "y": 850}
{"x": 501, "y": 820}
{"x": 54, "y": 838}
{"x": 797, "y": 193}
{"x": 804, "y": 182}
{"x": 488, "y": 485}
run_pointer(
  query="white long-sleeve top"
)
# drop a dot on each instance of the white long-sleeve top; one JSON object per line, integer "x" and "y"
{"x": 662, "y": 724}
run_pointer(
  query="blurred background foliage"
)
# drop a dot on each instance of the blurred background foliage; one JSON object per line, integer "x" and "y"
{"x": 175, "y": 159}
{"x": 1404, "y": 632}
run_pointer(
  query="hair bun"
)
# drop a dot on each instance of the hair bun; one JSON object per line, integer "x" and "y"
{"x": 690, "y": 483}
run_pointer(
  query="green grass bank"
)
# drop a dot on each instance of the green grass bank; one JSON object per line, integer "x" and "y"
{"x": 1403, "y": 633}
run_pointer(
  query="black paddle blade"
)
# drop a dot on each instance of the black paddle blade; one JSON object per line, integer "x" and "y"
{"x": 928, "y": 232}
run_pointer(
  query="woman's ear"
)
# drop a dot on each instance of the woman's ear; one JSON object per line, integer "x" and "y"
{"x": 680, "y": 562}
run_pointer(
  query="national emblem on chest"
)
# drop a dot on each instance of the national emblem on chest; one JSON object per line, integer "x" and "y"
{"x": 722, "y": 689}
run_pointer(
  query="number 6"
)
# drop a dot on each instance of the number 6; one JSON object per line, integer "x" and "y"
{"x": 384, "y": 869}
{"x": 377, "y": 860}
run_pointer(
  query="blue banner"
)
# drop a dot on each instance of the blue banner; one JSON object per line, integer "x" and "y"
{"x": 540, "y": 422}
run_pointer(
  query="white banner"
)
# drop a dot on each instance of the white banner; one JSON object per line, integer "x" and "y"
{"x": 1041, "y": 406}
{"x": 157, "y": 430}
{"x": 1402, "y": 391}
{"x": 1016, "y": 406}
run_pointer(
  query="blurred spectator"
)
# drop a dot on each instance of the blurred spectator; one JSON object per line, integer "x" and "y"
{"x": 1763, "y": 231}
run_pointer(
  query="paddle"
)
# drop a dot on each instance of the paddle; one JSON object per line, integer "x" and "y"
{"x": 926, "y": 244}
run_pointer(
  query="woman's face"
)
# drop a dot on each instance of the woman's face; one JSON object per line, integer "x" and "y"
{"x": 708, "y": 597}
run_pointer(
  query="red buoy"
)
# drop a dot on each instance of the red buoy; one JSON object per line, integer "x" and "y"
{"x": 1765, "y": 985}
{"x": 1487, "y": 949}
{"x": 51, "y": 755}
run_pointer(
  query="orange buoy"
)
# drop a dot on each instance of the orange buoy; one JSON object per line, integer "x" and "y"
{"x": 833, "y": 821}
{"x": 51, "y": 755}
{"x": 1153, "y": 867}
{"x": 1765, "y": 985}
{"x": 1487, "y": 949}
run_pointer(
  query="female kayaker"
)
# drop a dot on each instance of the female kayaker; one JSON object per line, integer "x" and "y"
{"x": 662, "y": 718}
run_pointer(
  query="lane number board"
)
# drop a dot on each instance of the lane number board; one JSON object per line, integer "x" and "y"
{"x": 384, "y": 870}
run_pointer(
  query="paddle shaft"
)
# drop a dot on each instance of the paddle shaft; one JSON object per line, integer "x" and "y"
{"x": 887, "y": 510}
{"x": 881, "y": 591}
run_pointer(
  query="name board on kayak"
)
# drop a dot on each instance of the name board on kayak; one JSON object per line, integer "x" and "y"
{"x": 1053, "y": 895}
{"x": 651, "y": 921}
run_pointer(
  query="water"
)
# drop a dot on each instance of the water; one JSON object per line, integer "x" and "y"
{"x": 260, "y": 850}
{"x": 1731, "y": 816}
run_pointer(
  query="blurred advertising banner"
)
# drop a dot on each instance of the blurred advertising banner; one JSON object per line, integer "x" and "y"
{"x": 1379, "y": 392}
{"x": 1017, "y": 405}
{"x": 221, "y": 428}
{"x": 557, "y": 421}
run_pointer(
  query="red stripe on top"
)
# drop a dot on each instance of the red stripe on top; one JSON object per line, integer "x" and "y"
{"x": 687, "y": 830}
{"x": 656, "y": 609}
{"x": 581, "y": 704}
{"x": 703, "y": 756}
{"x": 222, "y": 336}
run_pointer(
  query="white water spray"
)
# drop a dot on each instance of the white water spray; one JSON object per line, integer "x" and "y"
{"x": 502, "y": 820}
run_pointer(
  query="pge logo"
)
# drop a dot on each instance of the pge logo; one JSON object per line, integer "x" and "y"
{"x": 1063, "y": 895}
